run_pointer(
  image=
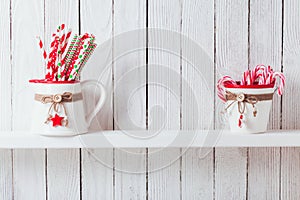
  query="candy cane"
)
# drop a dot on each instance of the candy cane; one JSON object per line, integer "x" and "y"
{"x": 220, "y": 86}
{"x": 245, "y": 78}
{"x": 282, "y": 81}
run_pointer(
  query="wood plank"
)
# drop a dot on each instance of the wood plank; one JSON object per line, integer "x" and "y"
{"x": 264, "y": 173}
{"x": 197, "y": 174}
{"x": 164, "y": 96}
{"x": 97, "y": 174}
{"x": 5, "y": 70}
{"x": 29, "y": 174}
{"x": 28, "y": 166}
{"x": 230, "y": 169}
{"x": 197, "y": 71}
{"x": 265, "y": 48}
{"x": 96, "y": 18}
{"x": 290, "y": 107}
{"x": 62, "y": 165}
{"x": 130, "y": 174}
{"x": 290, "y": 176}
{"x": 97, "y": 164}
{"x": 232, "y": 59}
{"x": 63, "y": 174}
{"x": 6, "y": 191}
{"x": 129, "y": 58}
{"x": 265, "y": 43}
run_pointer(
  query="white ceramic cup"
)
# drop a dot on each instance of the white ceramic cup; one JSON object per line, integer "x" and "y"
{"x": 78, "y": 120}
{"x": 250, "y": 124}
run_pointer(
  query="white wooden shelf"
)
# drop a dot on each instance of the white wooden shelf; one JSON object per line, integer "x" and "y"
{"x": 141, "y": 139}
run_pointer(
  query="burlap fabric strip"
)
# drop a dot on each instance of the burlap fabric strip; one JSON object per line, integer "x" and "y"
{"x": 242, "y": 99}
{"x": 57, "y": 101}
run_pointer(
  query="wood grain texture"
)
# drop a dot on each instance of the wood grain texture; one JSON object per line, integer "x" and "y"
{"x": 197, "y": 174}
{"x": 291, "y": 61}
{"x": 164, "y": 95}
{"x": 129, "y": 61}
{"x": 265, "y": 43}
{"x": 290, "y": 106}
{"x": 265, "y": 48}
{"x": 290, "y": 162}
{"x": 231, "y": 58}
{"x": 97, "y": 164}
{"x": 197, "y": 79}
{"x": 5, "y": 70}
{"x": 28, "y": 166}
{"x": 29, "y": 174}
{"x": 230, "y": 173}
{"x": 62, "y": 165}
{"x": 63, "y": 174}
{"x": 97, "y": 174}
{"x": 96, "y": 18}
{"x": 6, "y": 190}
{"x": 130, "y": 174}
{"x": 264, "y": 173}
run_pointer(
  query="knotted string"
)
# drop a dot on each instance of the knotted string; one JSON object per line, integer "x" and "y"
{"x": 58, "y": 101}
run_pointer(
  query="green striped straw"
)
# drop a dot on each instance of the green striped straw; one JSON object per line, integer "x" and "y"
{"x": 71, "y": 51}
{"x": 81, "y": 55}
{"x": 91, "y": 49}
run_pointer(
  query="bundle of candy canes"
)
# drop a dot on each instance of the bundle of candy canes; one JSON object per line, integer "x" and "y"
{"x": 260, "y": 75}
{"x": 62, "y": 63}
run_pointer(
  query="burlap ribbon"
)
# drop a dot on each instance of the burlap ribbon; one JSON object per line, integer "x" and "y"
{"x": 242, "y": 99}
{"x": 58, "y": 101}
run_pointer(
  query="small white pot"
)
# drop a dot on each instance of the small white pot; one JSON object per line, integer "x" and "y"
{"x": 250, "y": 124}
{"x": 78, "y": 120}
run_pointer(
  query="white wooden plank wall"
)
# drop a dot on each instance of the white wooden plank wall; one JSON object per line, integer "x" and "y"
{"x": 290, "y": 108}
{"x": 62, "y": 165}
{"x": 231, "y": 55}
{"x": 129, "y": 73}
{"x": 97, "y": 164}
{"x": 235, "y": 35}
{"x": 28, "y": 165}
{"x": 265, "y": 47}
{"x": 197, "y": 164}
{"x": 6, "y": 190}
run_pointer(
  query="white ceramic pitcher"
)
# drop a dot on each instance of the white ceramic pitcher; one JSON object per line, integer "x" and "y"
{"x": 59, "y": 107}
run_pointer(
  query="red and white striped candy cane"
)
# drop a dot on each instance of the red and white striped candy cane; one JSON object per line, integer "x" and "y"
{"x": 282, "y": 81}
{"x": 245, "y": 79}
{"x": 261, "y": 74}
{"x": 220, "y": 86}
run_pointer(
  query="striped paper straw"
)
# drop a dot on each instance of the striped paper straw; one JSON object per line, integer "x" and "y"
{"x": 72, "y": 50}
{"x": 42, "y": 47}
{"x": 66, "y": 41}
{"x": 85, "y": 59}
{"x": 87, "y": 49}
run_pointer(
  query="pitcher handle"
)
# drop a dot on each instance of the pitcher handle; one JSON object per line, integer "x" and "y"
{"x": 100, "y": 102}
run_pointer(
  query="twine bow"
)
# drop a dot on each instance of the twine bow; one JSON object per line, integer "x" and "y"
{"x": 242, "y": 99}
{"x": 58, "y": 101}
